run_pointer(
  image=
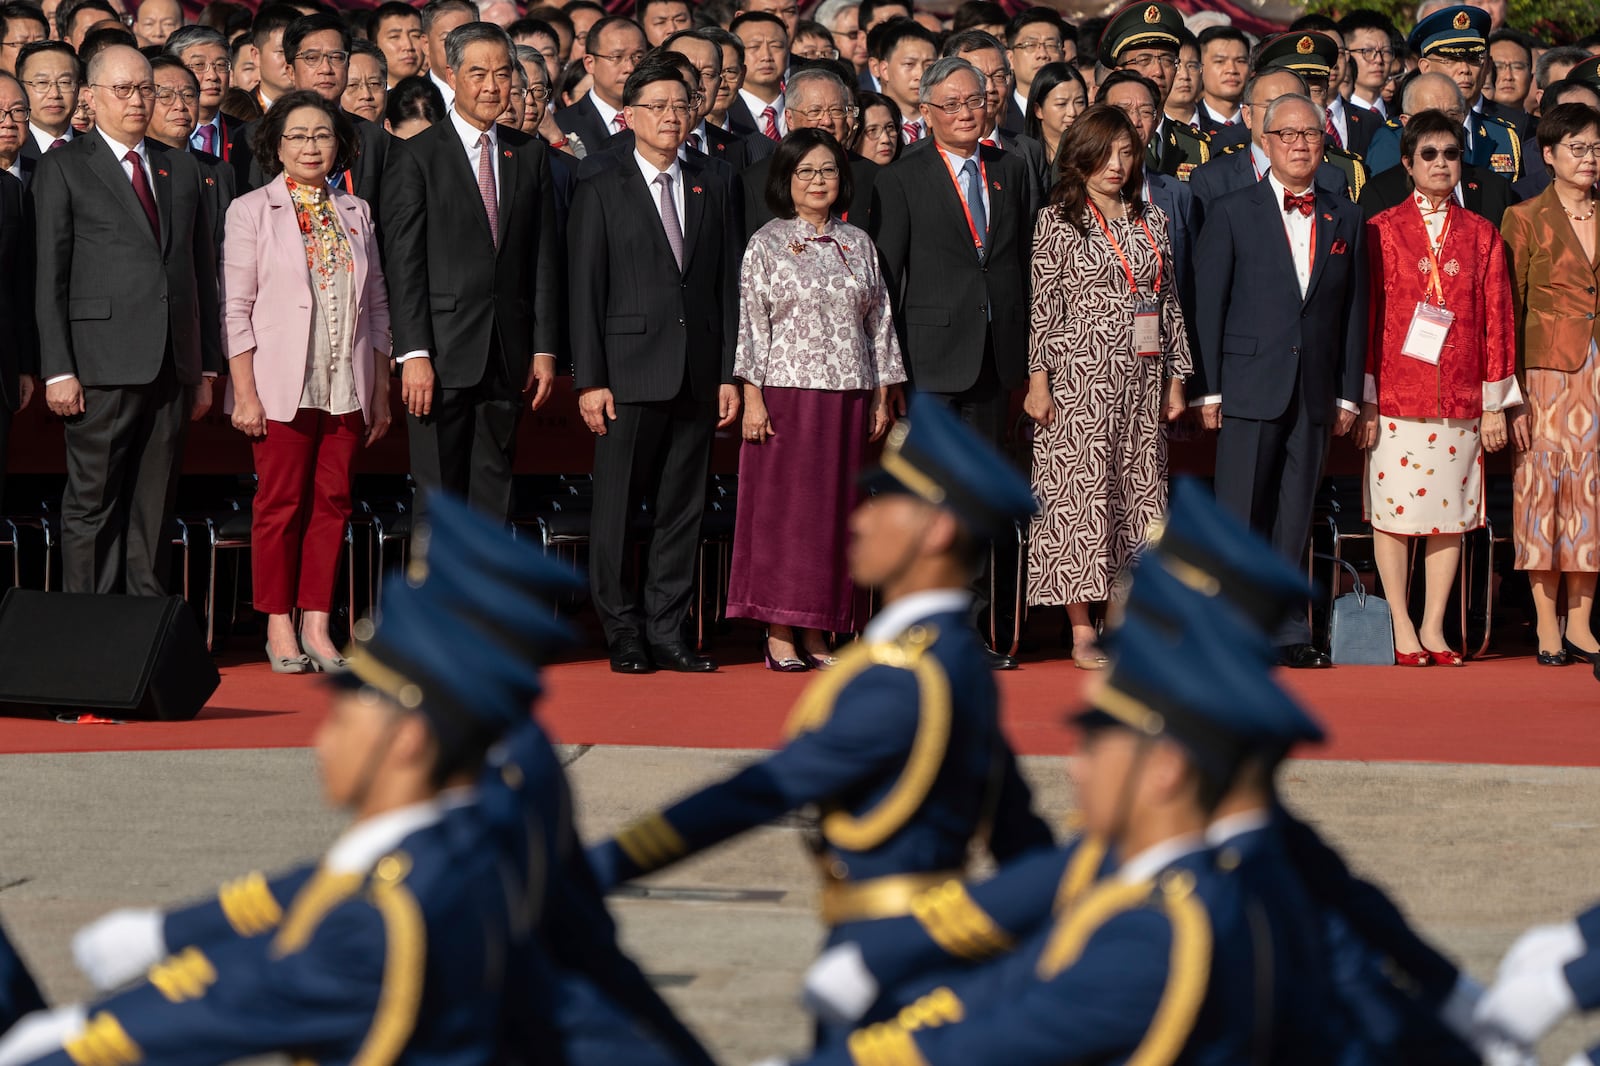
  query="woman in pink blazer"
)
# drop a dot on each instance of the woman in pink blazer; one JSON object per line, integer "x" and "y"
{"x": 308, "y": 362}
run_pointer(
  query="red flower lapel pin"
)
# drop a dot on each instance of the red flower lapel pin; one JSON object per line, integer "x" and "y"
{"x": 698, "y": 189}
{"x": 211, "y": 181}
{"x": 995, "y": 185}
{"x": 508, "y": 153}
{"x": 1327, "y": 217}
{"x": 163, "y": 173}
{"x": 1472, "y": 185}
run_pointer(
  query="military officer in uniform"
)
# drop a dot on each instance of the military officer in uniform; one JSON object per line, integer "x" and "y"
{"x": 1144, "y": 37}
{"x": 1551, "y": 972}
{"x": 898, "y": 746}
{"x": 1452, "y": 41}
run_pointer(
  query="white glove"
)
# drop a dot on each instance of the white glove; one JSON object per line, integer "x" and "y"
{"x": 773, "y": 1062}
{"x": 41, "y": 1033}
{"x": 1498, "y": 1051}
{"x": 1525, "y": 1005}
{"x": 1544, "y": 944}
{"x": 1456, "y": 1012}
{"x": 1579, "y": 1059}
{"x": 119, "y": 947}
{"x": 839, "y": 988}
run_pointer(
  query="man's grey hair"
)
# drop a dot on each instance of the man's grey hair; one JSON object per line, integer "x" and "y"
{"x": 186, "y": 37}
{"x": 1570, "y": 54}
{"x": 942, "y": 70}
{"x": 813, "y": 76}
{"x": 470, "y": 33}
{"x": 829, "y": 10}
{"x": 1289, "y": 100}
{"x": 1428, "y": 7}
{"x": 106, "y": 55}
{"x": 1250, "y": 86}
{"x": 1422, "y": 82}
{"x": 526, "y": 55}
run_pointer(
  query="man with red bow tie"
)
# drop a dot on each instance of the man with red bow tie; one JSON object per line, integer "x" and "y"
{"x": 1281, "y": 326}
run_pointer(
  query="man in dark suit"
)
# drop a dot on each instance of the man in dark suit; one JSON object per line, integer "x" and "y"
{"x": 988, "y": 55}
{"x": 1281, "y": 309}
{"x": 53, "y": 77}
{"x": 1034, "y": 38}
{"x": 14, "y": 130}
{"x": 1482, "y": 192}
{"x": 814, "y": 99}
{"x": 654, "y": 317}
{"x": 612, "y": 50}
{"x": 204, "y": 52}
{"x": 19, "y": 340}
{"x": 129, "y": 327}
{"x": 954, "y": 226}
{"x": 473, "y": 272}
{"x": 705, "y": 55}
{"x": 1224, "y": 69}
{"x": 757, "y": 110}
{"x": 172, "y": 122}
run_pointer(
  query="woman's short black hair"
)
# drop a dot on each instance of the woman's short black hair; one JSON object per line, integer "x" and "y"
{"x": 270, "y": 132}
{"x": 1564, "y": 120}
{"x": 866, "y": 101}
{"x": 414, "y": 96}
{"x": 791, "y": 150}
{"x": 1427, "y": 124}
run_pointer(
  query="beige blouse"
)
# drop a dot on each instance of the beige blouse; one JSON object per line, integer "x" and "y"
{"x": 330, "y": 352}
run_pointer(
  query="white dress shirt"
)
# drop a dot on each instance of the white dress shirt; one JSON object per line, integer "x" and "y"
{"x": 1152, "y": 860}
{"x": 956, "y": 162}
{"x": 916, "y": 124}
{"x": 902, "y": 614}
{"x": 1226, "y": 120}
{"x": 608, "y": 115}
{"x": 675, "y": 172}
{"x": 15, "y": 169}
{"x": 1022, "y": 102}
{"x": 445, "y": 91}
{"x": 1341, "y": 120}
{"x": 1375, "y": 106}
{"x": 758, "y": 105}
{"x": 359, "y": 847}
{"x": 705, "y": 142}
{"x": 43, "y": 139}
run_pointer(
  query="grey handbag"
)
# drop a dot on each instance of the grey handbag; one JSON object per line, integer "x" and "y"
{"x": 1361, "y": 632}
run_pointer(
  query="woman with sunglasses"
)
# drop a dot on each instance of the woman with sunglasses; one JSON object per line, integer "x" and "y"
{"x": 1440, "y": 377}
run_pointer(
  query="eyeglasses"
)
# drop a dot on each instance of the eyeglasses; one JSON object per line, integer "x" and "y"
{"x": 322, "y": 139}
{"x": 1136, "y": 111}
{"x": 220, "y": 68}
{"x": 1372, "y": 55}
{"x": 1192, "y": 66}
{"x": 1515, "y": 68}
{"x": 873, "y": 133}
{"x": 18, "y": 114}
{"x": 955, "y": 107}
{"x": 1035, "y": 44}
{"x": 807, "y": 175}
{"x": 1145, "y": 62}
{"x": 315, "y": 59}
{"x": 808, "y": 52}
{"x": 17, "y": 44}
{"x": 661, "y": 110}
{"x": 832, "y": 114}
{"x": 167, "y": 96}
{"x": 42, "y": 86}
{"x": 1001, "y": 77}
{"x": 1313, "y": 137}
{"x": 147, "y": 91}
{"x": 371, "y": 85}
{"x": 539, "y": 95}
{"x": 1580, "y": 150}
{"x": 1451, "y": 153}
{"x": 785, "y": 12}
{"x": 732, "y": 74}
{"x": 620, "y": 57}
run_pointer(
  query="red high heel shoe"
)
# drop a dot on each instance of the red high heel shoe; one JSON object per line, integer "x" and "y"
{"x": 1444, "y": 658}
{"x": 1413, "y": 658}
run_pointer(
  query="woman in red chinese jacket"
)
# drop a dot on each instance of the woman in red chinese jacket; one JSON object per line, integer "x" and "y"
{"x": 1440, "y": 376}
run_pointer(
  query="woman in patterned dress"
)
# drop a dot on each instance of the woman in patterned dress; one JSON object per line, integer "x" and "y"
{"x": 1102, "y": 379}
{"x": 1427, "y": 422}
{"x": 1555, "y": 270}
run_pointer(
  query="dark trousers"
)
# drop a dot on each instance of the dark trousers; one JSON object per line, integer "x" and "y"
{"x": 467, "y": 443}
{"x": 123, "y": 455}
{"x": 1267, "y": 474}
{"x": 5, "y": 454}
{"x": 302, "y": 504}
{"x": 662, "y": 450}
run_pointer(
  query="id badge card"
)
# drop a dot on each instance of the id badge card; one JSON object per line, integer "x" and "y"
{"x": 1430, "y": 325}
{"x": 1146, "y": 327}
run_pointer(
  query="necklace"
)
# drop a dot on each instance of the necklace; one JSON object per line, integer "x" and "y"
{"x": 1586, "y": 216}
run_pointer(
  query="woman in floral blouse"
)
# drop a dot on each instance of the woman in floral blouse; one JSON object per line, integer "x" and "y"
{"x": 821, "y": 372}
{"x": 307, "y": 323}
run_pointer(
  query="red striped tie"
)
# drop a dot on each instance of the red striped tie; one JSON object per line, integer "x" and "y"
{"x": 913, "y": 132}
{"x": 1333, "y": 131}
{"x": 769, "y": 123}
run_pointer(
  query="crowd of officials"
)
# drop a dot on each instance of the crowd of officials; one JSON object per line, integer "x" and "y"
{"x": 727, "y": 216}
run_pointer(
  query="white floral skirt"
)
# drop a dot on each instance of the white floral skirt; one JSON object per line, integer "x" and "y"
{"x": 1425, "y": 476}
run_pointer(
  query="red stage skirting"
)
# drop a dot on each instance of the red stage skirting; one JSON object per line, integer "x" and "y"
{"x": 1499, "y": 710}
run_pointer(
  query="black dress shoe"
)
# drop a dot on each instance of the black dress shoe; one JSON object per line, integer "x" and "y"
{"x": 678, "y": 657}
{"x": 1303, "y": 657}
{"x": 1575, "y": 652}
{"x": 1555, "y": 658}
{"x": 628, "y": 657}
{"x": 999, "y": 661}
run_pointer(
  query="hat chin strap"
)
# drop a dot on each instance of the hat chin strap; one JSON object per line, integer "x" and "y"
{"x": 375, "y": 757}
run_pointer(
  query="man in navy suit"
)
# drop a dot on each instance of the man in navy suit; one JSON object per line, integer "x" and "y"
{"x": 1281, "y": 324}
{"x": 612, "y": 51}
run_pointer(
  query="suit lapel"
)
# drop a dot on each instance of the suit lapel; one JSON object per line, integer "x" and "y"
{"x": 449, "y": 142}
{"x": 161, "y": 183}
{"x": 1270, "y": 217}
{"x": 1555, "y": 218}
{"x": 109, "y": 170}
{"x": 995, "y": 172}
{"x": 945, "y": 193}
{"x": 649, "y": 215}
{"x": 1325, "y": 221}
{"x": 694, "y": 208}
{"x": 509, "y": 168}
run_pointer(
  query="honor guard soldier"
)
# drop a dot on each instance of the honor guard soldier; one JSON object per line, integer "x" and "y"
{"x": 1144, "y": 37}
{"x": 898, "y": 747}
{"x": 1552, "y": 971}
{"x": 1155, "y": 961}
{"x": 1453, "y": 42}
{"x": 1313, "y": 56}
{"x": 19, "y": 995}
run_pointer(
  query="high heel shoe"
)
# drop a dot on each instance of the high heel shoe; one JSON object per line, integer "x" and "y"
{"x": 782, "y": 666}
{"x": 336, "y": 665}
{"x": 1444, "y": 658}
{"x": 818, "y": 660}
{"x": 1413, "y": 658}
{"x": 1553, "y": 658}
{"x": 293, "y": 664}
{"x": 1575, "y": 652}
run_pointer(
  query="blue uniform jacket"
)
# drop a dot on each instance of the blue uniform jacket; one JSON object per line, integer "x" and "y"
{"x": 1496, "y": 145}
{"x": 403, "y": 964}
{"x": 18, "y": 993}
{"x": 899, "y": 745}
{"x": 1159, "y": 970}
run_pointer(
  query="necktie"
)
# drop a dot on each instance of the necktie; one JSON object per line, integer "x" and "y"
{"x": 1331, "y": 130}
{"x": 208, "y": 139}
{"x": 912, "y": 132}
{"x": 57, "y": 143}
{"x": 972, "y": 189}
{"x": 141, "y": 189}
{"x": 989, "y": 141}
{"x": 1305, "y": 203}
{"x": 669, "y": 218}
{"x": 491, "y": 203}
{"x": 769, "y": 123}
{"x": 621, "y": 122}
{"x": 694, "y": 142}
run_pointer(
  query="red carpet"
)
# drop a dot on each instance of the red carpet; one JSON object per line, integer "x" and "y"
{"x": 1495, "y": 711}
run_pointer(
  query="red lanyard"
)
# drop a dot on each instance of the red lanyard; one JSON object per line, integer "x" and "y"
{"x": 1127, "y": 270}
{"x": 966, "y": 209}
{"x": 1434, "y": 281}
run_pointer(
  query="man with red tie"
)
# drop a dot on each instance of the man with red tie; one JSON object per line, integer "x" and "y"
{"x": 204, "y": 51}
{"x": 1281, "y": 318}
{"x": 759, "y": 106}
{"x": 129, "y": 328}
{"x": 612, "y": 50}
{"x": 898, "y": 51}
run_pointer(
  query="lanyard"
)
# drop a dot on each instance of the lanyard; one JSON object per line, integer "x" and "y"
{"x": 1433, "y": 251}
{"x": 966, "y": 208}
{"x": 1126, "y": 269}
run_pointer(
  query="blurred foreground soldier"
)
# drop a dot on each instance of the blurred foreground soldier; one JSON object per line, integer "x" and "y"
{"x": 394, "y": 945}
{"x": 1551, "y": 972}
{"x": 1144, "y": 38}
{"x": 899, "y": 744}
{"x": 19, "y": 995}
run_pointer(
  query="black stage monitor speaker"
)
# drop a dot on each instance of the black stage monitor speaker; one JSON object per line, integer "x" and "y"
{"x": 135, "y": 656}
